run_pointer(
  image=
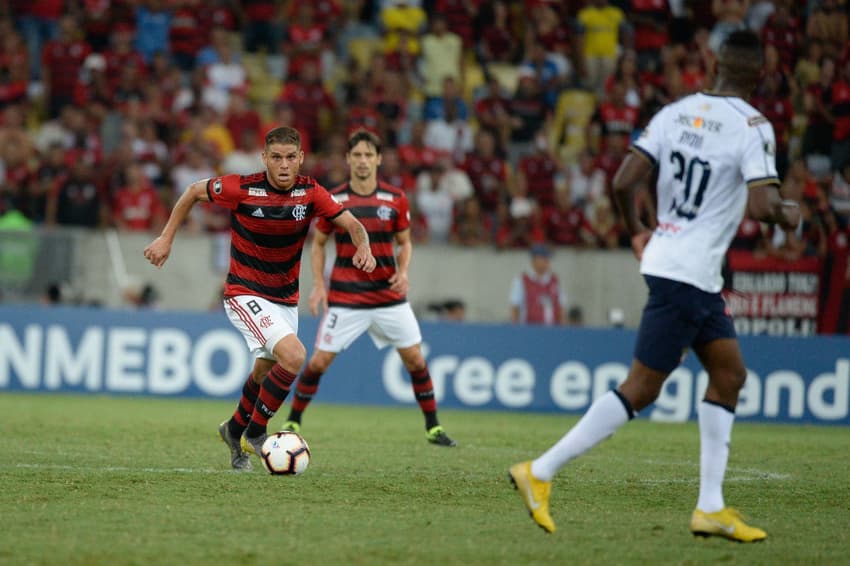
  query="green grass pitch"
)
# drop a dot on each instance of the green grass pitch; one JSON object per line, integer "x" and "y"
{"x": 102, "y": 480}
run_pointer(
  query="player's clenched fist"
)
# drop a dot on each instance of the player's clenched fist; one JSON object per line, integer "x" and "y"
{"x": 363, "y": 259}
{"x": 158, "y": 251}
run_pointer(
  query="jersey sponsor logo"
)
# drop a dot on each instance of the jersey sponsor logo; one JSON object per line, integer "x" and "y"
{"x": 699, "y": 123}
{"x": 384, "y": 196}
{"x": 299, "y": 211}
{"x": 257, "y": 192}
{"x": 217, "y": 186}
{"x": 384, "y": 212}
{"x": 298, "y": 193}
{"x": 258, "y": 213}
{"x": 340, "y": 198}
{"x": 756, "y": 120}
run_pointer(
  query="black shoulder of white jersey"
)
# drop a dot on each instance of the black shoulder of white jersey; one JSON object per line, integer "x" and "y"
{"x": 761, "y": 181}
{"x": 637, "y": 150}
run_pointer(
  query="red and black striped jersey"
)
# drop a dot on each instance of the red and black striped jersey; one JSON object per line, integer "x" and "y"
{"x": 268, "y": 229}
{"x": 383, "y": 213}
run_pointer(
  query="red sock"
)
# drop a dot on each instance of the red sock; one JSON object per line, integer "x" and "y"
{"x": 423, "y": 390}
{"x": 273, "y": 391}
{"x": 308, "y": 384}
{"x": 243, "y": 411}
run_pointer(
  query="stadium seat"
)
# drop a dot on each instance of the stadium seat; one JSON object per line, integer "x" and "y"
{"x": 473, "y": 80}
{"x": 361, "y": 49}
{"x": 573, "y": 111}
{"x": 507, "y": 75}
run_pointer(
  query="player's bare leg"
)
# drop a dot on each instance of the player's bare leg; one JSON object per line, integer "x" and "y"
{"x": 724, "y": 363}
{"x": 423, "y": 390}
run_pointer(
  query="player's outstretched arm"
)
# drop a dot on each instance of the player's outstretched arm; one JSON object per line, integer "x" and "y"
{"x": 766, "y": 204}
{"x": 158, "y": 251}
{"x": 318, "y": 296}
{"x": 628, "y": 177}
{"x": 363, "y": 258}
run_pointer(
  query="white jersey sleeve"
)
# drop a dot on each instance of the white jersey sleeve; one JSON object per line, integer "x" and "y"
{"x": 651, "y": 140}
{"x": 758, "y": 162}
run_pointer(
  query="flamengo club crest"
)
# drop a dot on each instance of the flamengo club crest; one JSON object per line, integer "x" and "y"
{"x": 384, "y": 212}
{"x": 299, "y": 211}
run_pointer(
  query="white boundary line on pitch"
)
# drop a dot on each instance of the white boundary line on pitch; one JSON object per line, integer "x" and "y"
{"x": 733, "y": 474}
{"x": 114, "y": 469}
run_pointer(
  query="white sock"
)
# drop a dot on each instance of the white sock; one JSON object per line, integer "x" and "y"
{"x": 715, "y": 431}
{"x": 602, "y": 419}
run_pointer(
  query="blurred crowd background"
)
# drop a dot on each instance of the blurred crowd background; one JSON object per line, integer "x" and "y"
{"x": 504, "y": 121}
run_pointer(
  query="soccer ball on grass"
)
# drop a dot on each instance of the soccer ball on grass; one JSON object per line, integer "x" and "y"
{"x": 285, "y": 453}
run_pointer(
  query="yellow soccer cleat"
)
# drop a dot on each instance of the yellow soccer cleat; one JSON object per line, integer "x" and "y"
{"x": 534, "y": 493}
{"x": 726, "y": 523}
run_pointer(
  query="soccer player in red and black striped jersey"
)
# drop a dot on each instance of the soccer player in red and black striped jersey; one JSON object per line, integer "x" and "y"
{"x": 271, "y": 213}
{"x": 359, "y": 302}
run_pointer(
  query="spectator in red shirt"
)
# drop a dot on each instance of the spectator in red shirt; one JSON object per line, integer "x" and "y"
{"x": 528, "y": 114}
{"x": 309, "y": 100}
{"x": 187, "y": 33}
{"x": 497, "y": 43}
{"x": 326, "y": 13}
{"x": 460, "y": 16}
{"x": 121, "y": 53}
{"x": 817, "y": 138}
{"x": 565, "y": 223}
{"x": 262, "y": 25}
{"x": 492, "y": 111}
{"x": 14, "y": 66}
{"x": 241, "y": 116}
{"x": 779, "y": 112}
{"x": 613, "y": 118}
{"x": 415, "y": 155}
{"x": 470, "y": 227}
{"x": 306, "y": 38}
{"x": 650, "y": 19}
{"x": 536, "y": 173}
{"x": 488, "y": 172}
{"x": 62, "y": 59}
{"x": 840, "y": 110}
{"x": 137, "y": 205}
{"x": 38, "y": 22}
{"x": 393, "y": 173}
{"x": 782, "y": 31}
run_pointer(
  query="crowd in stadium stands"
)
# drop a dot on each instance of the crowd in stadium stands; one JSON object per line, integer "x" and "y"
{"x": 503, "y": 120}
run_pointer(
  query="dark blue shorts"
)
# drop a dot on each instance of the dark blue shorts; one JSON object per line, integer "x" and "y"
{"x": 677, "y": 316}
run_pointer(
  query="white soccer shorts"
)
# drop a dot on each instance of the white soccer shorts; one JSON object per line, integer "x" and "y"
{"x": 261, "y": 322}
{"x": 395, "y": 325}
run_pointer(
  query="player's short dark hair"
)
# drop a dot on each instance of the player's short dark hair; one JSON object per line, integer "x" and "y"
{"x": 284, "y": 135}
{"x": 364, "y": 136}
{"x": 741, "y": 57}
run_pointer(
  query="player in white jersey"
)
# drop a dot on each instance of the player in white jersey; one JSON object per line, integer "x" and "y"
{"x": 715, "y": 158}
